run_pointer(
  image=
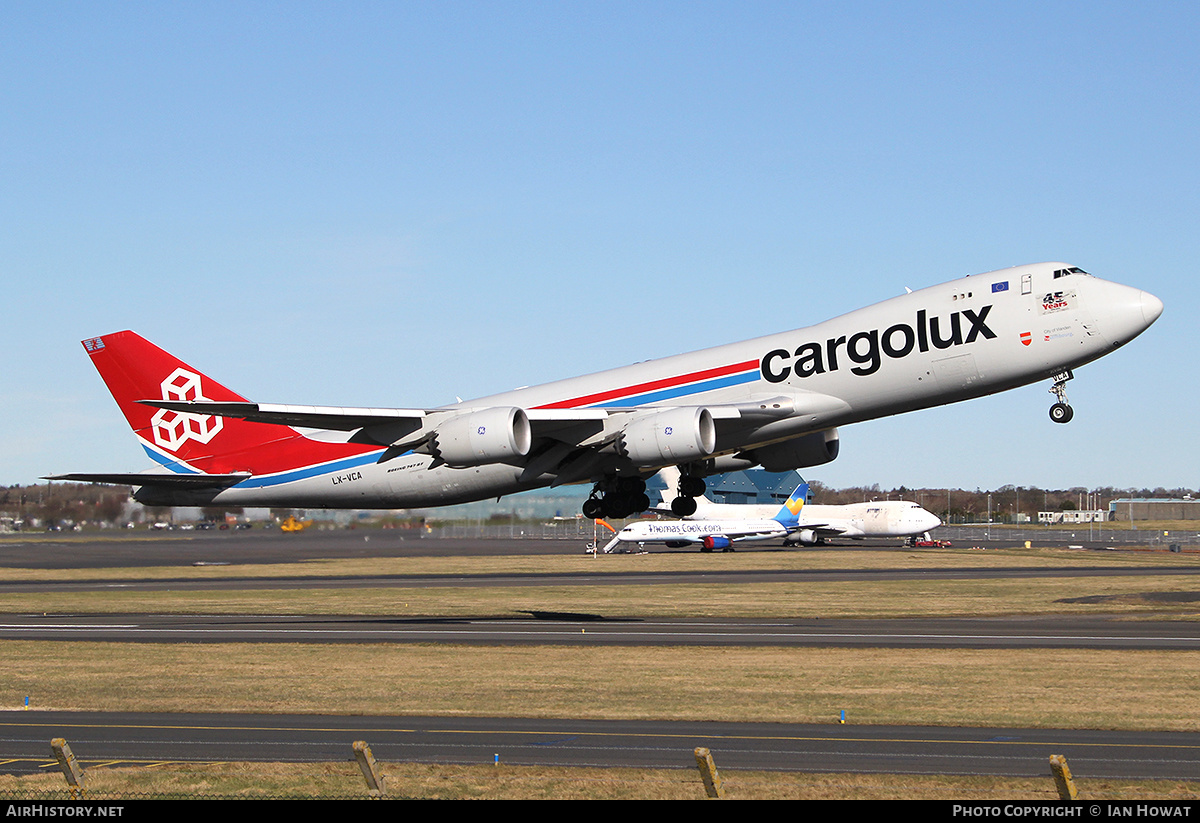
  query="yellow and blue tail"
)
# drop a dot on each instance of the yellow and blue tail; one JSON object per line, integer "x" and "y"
{"x": 789, "y": 515}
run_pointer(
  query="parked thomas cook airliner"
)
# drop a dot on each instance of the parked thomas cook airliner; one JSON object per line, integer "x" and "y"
{"x": 814, "y": 524}
{"x": 716, "y": 534}
{"x": 775, "y": 401}
{"x": 723, "y": 525}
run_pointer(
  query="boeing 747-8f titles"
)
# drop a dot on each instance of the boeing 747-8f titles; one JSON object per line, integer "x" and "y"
{"x": 775, "y": 402}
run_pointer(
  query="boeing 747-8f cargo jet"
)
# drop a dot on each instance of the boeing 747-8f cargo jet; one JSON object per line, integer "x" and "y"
{"x": 775, "y": 402}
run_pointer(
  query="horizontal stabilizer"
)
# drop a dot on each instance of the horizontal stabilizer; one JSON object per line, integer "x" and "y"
{"x": 166, "y": 481}
{"x": 316, "y": 417}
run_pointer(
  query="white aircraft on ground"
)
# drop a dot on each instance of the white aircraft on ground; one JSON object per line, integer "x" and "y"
{"x": 886, "y": 518}
{"x": 715, "y": 534}
{"x": 774, "y": 401}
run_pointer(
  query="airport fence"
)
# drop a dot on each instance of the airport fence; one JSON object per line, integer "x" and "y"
{"x": 1091, "y": 538}
{"x": 585, "y": 530}
{"x": 572, "y": 529}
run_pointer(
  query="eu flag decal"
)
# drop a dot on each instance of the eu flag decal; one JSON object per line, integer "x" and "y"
{"x": 1001, "y": 286}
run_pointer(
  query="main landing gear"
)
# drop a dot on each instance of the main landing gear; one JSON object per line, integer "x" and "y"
{"x": 617, "y": 497}
{"x": 1061, "y": 412}
{"x": 621, "y": 497}
{"x": 690, "y": 487}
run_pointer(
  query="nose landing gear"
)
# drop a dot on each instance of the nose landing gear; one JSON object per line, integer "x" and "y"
{"x": 1061, "y": 412}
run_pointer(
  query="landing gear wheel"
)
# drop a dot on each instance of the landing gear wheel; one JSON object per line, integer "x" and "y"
{"x": 1061, "y": 413}
{"x": 683, "y": 506}
{"x": 692, "y": 486}
{"x": 617, "y": 507}
{"x": 617, "y": 498}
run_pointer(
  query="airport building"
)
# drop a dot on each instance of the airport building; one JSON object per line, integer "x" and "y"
{"x": 1073, "y": 516}
{"x": 1153, "y": 508}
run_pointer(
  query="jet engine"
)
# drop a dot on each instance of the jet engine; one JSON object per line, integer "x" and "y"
{"x": 810, "y": 450}
{"x": 716, "y": 541}
{"x": 481, "y": 437}
{"x": 806, "y": 537}
{"x": 671, "y": 436}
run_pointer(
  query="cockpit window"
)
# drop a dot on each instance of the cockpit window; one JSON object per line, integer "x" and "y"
{"x": 1064, "y": 272}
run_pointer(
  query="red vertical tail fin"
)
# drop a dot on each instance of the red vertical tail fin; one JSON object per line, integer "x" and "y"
{"x": 135, "y": 369}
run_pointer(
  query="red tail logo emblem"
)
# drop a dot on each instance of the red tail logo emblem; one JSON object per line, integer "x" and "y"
{"x": 171, "y": 428}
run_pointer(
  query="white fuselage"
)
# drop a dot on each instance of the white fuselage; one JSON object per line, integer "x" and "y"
{"x": 709, "y": 534}
{"x": 882, "y": 518}
{"x": 673, "y": 531}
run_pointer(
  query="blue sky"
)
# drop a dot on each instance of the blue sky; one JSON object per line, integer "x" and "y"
{"x": 391, "y": 204}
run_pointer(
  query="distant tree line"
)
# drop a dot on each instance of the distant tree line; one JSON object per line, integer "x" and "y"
{"x": 57, "y": 504}
{"x": 54, "y": 504}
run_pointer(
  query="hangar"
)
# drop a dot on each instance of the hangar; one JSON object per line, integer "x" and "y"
{"x": 1153, "y": 508}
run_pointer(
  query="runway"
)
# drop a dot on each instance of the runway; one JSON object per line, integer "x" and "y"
{"x": 137, "y": 739}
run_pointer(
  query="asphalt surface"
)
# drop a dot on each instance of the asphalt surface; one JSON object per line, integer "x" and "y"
{"x": 142, "y": 739}
{"x": 139, "y": 548}
{"x": 558, "y": 628}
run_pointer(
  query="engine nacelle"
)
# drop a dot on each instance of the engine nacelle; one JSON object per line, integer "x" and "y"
{"x": 810, "y": 450}
{"x": 485, "y": 436}
{"x": 671, "y": 436}
{"x": 806, "y": 537}
{"x": 716, "y": 541}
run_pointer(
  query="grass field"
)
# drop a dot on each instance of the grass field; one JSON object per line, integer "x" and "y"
{"x": 487, "y": 782}
{"x": 1068, "y": 688}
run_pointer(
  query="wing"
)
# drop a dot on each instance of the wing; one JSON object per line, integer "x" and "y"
{"x": 572, "y": 444}
{"x": 759, "y": 534}
{"x": 829, "y": 529}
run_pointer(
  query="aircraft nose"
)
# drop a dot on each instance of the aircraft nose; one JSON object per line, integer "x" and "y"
{"x": 1152, "y": 307}
{"x": 1120, "y": 312}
